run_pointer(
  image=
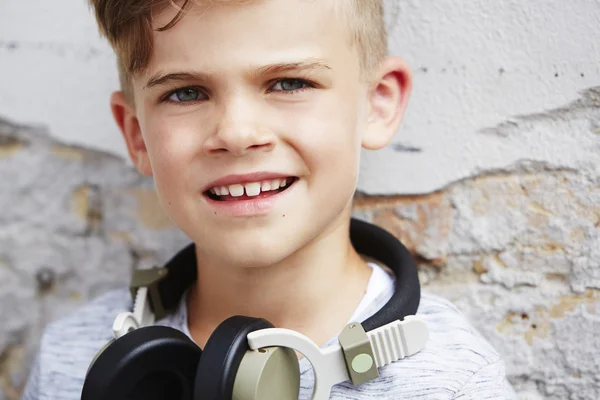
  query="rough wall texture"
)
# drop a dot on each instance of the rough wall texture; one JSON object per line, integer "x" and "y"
{"x": 517, "y": 249}
{"x": 504, "y": 217}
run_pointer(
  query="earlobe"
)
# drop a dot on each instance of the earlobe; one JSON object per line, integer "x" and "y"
{"x": 127, "y": 121}
{"x": 388, "y": 99}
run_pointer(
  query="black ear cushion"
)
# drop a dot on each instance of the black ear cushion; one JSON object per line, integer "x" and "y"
{"x": 223, "y": 355}
{"x": 150, "y": 363}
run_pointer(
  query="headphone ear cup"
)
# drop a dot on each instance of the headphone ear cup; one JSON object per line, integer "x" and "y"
{"x": 150, "y": 363}
{"x": 223, "y": 355}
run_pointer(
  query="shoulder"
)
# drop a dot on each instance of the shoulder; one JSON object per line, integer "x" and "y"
{"x": 471, "y": 366}
{"x": 454, "y": 353}
{"x": 91, "y": 321}
{"x": 453, "y": 335}
{"x": 69, "y": 344}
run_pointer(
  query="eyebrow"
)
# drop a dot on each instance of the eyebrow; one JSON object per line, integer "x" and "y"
{"x": 310, "y": 65}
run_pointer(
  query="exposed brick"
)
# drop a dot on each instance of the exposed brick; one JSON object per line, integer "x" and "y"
{"x": 422, "y": 223}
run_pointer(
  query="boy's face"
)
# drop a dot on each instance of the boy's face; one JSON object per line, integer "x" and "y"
{"x": 270, "y": 88}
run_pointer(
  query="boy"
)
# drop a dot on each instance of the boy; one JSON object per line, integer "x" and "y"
{"x": 250, "y": 115}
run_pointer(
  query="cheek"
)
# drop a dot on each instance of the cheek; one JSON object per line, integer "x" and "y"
{"x": 332, "y": 132}
{"x": 171, "y": 147}
{"x": 331, "y": 138}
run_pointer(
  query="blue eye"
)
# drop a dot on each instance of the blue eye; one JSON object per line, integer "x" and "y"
{"x": 186, "y": 95}
{"x": 289, "y": 85}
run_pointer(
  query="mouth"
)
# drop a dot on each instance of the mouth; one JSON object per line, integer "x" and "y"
{"x": 250, "y": 190}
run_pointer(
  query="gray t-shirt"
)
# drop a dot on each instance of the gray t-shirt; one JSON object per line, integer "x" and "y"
{"x": 457, "y": 362}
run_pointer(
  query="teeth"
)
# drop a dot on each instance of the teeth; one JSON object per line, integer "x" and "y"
{"x": 252, "y": 189}
{"x": 236, "y": 190}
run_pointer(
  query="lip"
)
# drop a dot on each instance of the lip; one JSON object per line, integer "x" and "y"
{"x": 254, "y": 207}
{"x": 245, "y": 178}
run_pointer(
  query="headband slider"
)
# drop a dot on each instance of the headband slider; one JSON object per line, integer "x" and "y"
{"x": 358, "y": 354}
{"x": 150, "y": 278}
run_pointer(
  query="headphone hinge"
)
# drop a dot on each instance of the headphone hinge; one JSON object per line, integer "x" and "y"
{"x": 358, "y": 354}
{"x": 150, "y": 278}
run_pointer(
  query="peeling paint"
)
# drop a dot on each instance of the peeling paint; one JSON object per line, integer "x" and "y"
{"x": 11, "y": 377}
{"x": 568, "y": 303}
{"x": 479, "y": 267}
{"x": 423, "y": 223}
{"x": 539, "y": 328}
{"x": 68, "y": 153}
{"x": 538, "y": 209}
{"x": 589, "y": 100}
{"x": 121, "y": 237}
{"x": 538, "y": 324}
{"x": 9, "y": 146}
{"x": 80, "y": 199}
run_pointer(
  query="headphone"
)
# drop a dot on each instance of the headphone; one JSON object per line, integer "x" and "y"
{"x": 247, "y": 358}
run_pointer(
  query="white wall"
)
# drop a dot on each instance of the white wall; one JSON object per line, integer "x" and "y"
{"x": 477, "y": 63}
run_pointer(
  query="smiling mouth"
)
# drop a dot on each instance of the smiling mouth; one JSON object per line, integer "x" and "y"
{"x": 251, "y": 190}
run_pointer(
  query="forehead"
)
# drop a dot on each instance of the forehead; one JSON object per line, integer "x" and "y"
{"x": 232, "y": 34}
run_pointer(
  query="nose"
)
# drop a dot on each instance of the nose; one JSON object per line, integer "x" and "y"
{"x": 239, "y": 131}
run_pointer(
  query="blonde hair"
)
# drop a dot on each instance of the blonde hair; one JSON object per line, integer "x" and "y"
{"x": 127, "y": 24}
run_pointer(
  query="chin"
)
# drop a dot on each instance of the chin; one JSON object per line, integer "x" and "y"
{"x": 253, "y": 255}
{"x": 252, "y": 248}
{"x": 256, "y": 260}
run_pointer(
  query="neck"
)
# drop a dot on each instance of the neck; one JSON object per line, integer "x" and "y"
{"x": 314, "y": 291}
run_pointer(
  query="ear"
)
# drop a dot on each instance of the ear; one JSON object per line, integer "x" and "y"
{"x": 128, "y": 123}
{"x": 388, "y": 98}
